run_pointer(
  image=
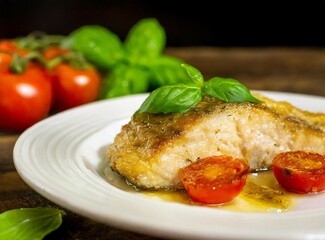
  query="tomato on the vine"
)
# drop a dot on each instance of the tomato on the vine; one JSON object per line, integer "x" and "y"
{"x": 73, "y": 86}
{"x": 300, "y": 171}
{"x": 215, "y": 179}
{"x": 54, "y": 51}
{"x": 7, "y": 49}
{"x": 7, "y": 44}
{"x": 25, "y": 98}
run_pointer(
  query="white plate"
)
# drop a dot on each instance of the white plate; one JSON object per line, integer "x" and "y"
{"x": 62, "y": 156}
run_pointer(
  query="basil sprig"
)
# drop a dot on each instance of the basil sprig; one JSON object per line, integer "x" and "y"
{"x": 141, "y": 56}
{"x": 175, "y": 98}
{"x": 181, "y": 97}
{"x": 29, "y": 223}
{"x": 144, "y": 54}
{"x": 99, "y": 45}
{"x": 228, "y": 90}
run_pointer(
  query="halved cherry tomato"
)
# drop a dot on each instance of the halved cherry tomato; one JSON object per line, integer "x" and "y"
{"x": 300, "y": 172}
{"x": 25, "y": 98}
{"x": 215, "y": 179}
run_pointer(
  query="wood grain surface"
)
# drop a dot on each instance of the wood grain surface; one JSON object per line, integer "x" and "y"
{"x": 299, "y": 70}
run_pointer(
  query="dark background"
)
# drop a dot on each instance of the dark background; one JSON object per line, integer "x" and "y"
{"x": 203, "y": 22}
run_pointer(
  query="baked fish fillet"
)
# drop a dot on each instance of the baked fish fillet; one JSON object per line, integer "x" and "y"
{"x": 151, "y": 148}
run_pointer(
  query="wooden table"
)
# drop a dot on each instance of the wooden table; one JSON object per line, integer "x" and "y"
{"x": 300, "y": 70}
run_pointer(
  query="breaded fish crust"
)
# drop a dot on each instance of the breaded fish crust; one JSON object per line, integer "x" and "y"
{"x": 151, "y": 148}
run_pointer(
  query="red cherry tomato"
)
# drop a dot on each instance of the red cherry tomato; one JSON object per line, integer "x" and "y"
{"x": 7, "y": 44}
{"x": 25, "y": 98}
{"x": 215, "y": 179}
{"x": 73, "y": 87}
{"x": 54, "y": 51}
{"x": 8, "y": 47}
{"x": 300, "y": 172}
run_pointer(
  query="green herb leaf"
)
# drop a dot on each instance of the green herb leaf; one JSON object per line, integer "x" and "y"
{"x": 99, "y": 45}
{"x": 228, "y": 90}
{"x": 194, "y": 74}
{"x": 181, "y": 97}
{"x": 125, "y": 80}
{"x": 146, "y": 38}
{"x": 167, "y": 70}
{"x": 173, "y": 98}
{"x": 29, "y": 223}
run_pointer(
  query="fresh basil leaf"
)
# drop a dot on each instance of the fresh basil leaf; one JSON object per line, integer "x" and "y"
{"x": 147, "y": 38}
{"x": 167, "y": 70}
{"x": 99, "y": 45}
{"x": 194, "y": 74}
{"x": 29, "y": 223}
{"x": 125, "y": 80}
{"x": 228, "y": 90}
{"x": 170, "y": 99}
